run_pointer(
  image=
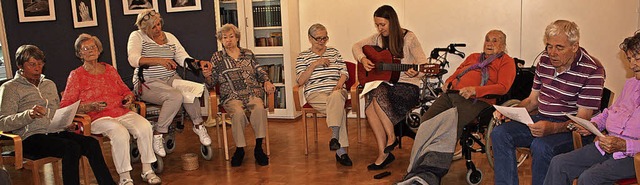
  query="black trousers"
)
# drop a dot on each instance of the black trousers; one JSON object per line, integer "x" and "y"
{"x": 70, "y": 147}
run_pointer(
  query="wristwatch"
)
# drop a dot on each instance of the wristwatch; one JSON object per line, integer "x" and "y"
{"x": 571, "y": 126}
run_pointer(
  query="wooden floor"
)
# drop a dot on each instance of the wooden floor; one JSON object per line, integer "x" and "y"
{"x": 288, "y": 164}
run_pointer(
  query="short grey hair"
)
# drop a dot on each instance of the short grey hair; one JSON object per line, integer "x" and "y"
{"x": 316, "y": 27}
{"x": 25, "y": 52}
{"x": 570, "y": 29}
{"x": 225, "y": 28}
{"x": 146, "y": 19}
{"x": 85, "y": 37}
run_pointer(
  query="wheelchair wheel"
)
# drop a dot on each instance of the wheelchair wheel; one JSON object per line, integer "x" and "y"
{"x": 135, "y": 153}
{"x": 158, "y": 166}
{"x": 206, "y": 152}
{"x": 413, "y": 121}
{"x": 521, "y": 153}
{"x": 170, "y": 143}
{"x": 474, "y": 176}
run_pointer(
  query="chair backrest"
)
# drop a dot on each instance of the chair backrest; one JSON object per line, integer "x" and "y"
{"x": 607, "y": 99}
{"x": 351, "y": 68}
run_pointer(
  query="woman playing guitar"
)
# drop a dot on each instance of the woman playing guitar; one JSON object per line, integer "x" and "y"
{"x": 388, "y": 103}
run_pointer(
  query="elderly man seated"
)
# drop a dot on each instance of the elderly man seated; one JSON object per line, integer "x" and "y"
{"x": 489, "y": 72}
{"x": 611, "y": 158}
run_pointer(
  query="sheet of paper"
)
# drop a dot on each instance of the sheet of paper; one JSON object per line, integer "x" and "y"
{"x": 63, "y": 117}
{"x": 519, "y": 114}
{"x": 370, "y": 86}
{"x": 586, "y": 124}
{"x": 190, "y": 90}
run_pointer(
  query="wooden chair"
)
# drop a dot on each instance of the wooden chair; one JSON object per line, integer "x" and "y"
{"x": 217, "y": 111}
{"x": 350, "y": 104}
{"x": 577, "y": 141}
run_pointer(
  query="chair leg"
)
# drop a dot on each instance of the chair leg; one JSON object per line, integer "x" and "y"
{"x": 306, "y": 133}
{"x": 267, "y": 137}
{"x": 35, "y": 174}
{"x": 359, "y": 127}
{"x": 218, "y": 132}
{"x": 84, "y": 166}
{"x": 315, "y": 126}
{"x": 224, "y": 137}
{"x": 57, "y": 173}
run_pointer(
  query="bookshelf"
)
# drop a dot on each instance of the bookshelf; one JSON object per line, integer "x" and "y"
{"x": 270, "y": 28}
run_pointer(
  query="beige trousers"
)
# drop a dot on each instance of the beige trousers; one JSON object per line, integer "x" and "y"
{"x": 332, "y": 104}
{"x": 257, "y": 117}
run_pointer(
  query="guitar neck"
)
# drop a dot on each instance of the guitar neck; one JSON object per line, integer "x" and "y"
{"x": 395, "y": 67}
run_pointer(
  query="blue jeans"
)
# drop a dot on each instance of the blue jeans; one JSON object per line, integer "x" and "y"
{"x": 508, "y": 136}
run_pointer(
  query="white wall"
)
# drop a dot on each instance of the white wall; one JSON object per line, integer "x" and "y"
{"x": 603, "y": 24}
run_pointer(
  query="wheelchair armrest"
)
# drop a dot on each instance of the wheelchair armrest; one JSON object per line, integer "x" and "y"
{"x": 17, "y": 147}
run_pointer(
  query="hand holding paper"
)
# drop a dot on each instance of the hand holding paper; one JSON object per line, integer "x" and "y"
{"x": 586, "y": 124}
{"x": 63, "y": 117}
{"x": 519, "y": 114}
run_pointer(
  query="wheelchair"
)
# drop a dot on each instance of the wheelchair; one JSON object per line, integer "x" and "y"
{"x": 473, "y": 133}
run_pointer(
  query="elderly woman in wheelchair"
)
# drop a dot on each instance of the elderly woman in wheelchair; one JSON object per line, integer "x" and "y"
{"x": 491, "y": 72}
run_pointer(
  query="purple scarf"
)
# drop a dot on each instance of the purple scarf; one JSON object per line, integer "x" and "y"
{"x": 482, "y": 65}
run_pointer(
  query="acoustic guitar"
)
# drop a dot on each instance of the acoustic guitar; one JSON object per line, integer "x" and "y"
{"x": 388, "y": 68}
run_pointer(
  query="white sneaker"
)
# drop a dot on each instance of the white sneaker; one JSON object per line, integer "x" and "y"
{"x": 158, "y": 145}
{"x": 202, "y": 133}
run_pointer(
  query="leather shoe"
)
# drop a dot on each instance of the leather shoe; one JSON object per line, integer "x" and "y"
{"x": 344, "y": 160}
{"x": 373, "y": 166}
{"x": 261, "y": 157}
{"x": 237, "y": 158}
{"x": 391, "y": 147}
{"x": 334, "y": 144}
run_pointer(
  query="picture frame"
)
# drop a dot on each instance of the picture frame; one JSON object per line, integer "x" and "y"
{"x": 183, "y": 5}
{"x": 84, "y": 13}
{"x": 134, "y": 7}
{"x": 34, "y": 11}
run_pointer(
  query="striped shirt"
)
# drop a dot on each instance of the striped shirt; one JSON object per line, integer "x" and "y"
{"x": 322, "y": 79}
{"x": 140, "y": 45}
{"x": 579, "y": 86}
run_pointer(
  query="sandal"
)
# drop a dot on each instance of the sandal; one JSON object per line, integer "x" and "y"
{"x": 126, "y": 182}
{"x": 151, "y": 177}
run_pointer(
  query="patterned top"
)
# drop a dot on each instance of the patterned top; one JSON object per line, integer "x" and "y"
{"x": 140, "y": 45}
{"x": 107, "y": 87}
{"x": 322, "y": 79}
{"x": 560, "y": 93}
{"x": 622, "y": 118}
{"x": 238, "y": 79}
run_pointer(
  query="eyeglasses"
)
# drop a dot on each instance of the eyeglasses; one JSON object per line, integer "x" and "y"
{"x": 34, "y": 64}
{"x": 90, "y": 48}
{"x": 149, "y": 15}
{"x": 318, "y": 39}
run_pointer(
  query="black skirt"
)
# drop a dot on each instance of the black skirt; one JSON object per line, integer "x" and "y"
{"x": 395, "y": 100}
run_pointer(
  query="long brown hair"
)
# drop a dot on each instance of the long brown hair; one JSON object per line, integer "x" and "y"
{"x": 395, "y": 41}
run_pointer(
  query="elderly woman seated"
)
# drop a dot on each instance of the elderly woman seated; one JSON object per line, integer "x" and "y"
{"x": 105, "y": 98}
{"x": 28, "y": 103}
{"x": 490, "y": 72}
{"x": 242, "y": 82}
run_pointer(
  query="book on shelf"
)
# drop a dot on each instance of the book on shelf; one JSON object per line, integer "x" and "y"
{"x": 266, "y": 16}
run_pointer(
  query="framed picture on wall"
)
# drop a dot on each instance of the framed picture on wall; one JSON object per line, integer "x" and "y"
{"x": 183, "y": 5}
{"x": 36, "y": 10}
{"x": 84, "y": 13}
{"x": 134, "y": 7}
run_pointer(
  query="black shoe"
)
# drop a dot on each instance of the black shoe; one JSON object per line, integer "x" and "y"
{"x": 237, "y": 158}
{"x": 387, "y": 161}
{"x": 344, "y": 160}
{"x": 391, "y": 147}
{"x": 334, "y": 144}
{"x": 261, "y": 157}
